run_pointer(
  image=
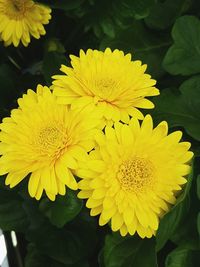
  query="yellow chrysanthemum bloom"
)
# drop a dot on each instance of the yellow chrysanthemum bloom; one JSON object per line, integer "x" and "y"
{"x": 108, "y": 81}
{"x": 45, "y": 139}
{"x": 134, "y": 175}
{"x": 19, "y": 19}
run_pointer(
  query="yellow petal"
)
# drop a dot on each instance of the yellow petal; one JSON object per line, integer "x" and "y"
{"x": 92, "y": 203}
{"x": 95, "y": 211}
{"x": 61, "y": 172}
{"x": 117, "y": 221}
{"x": 123, "y": 230}
{"x": 183, "y": 169}
{"x": 110, "y": 133}
{"x": 46, "y": 179}
{"x": 72, "y": 184}
{"x": 84, "y": 173}
{"x": 85, "y": 194}
{"x": 84, "y": 184}
{"x": 135, "y": 126}
{"x": 108, "y": 203}
{"x": 147, "y": 126}
{"x": 33, "y": 183}
{"x": 126, "y": 136}
{"x": 96, "y": 165}
{"x": 102, "y": 221}
{"x": 51, "y": 196}
{"x": 39, "y": 192}
{"x": 61, "y": 188}
{"x": 144, "y": 103}
{"x": 99, "y": 193}
{"x": 128, "y": 216}
{"x": 78, "y": 153}
{"x": 69, "y": 161}
{"x": 14, "y": 178}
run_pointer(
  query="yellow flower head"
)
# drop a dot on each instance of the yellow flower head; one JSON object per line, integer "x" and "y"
{"x": 45, "y": 139}
{"x": 21, "y": 18}
{"x": 108, "y": 81}
{"x": 133, "y": 175}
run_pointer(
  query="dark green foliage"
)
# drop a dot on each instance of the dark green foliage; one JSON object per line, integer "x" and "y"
{"x": 181, "y": 107}
{"x": 183, "y": 256}
{"x": 144, "y": 45}
{"x": 131, "y": 251}
{"x": 63, "y": 210}
{"x": 36, "y": 258}
{"x": 165, "y": 34}
{"x": 173, "y": 219}
{"x": 184, "y": 55}
{"x": 165, "y": 13}
{"x": 12, "y": 215}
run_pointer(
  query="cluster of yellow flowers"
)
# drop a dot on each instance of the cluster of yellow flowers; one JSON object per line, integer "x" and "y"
{"x": 88, "y": 125}
{"x": 20, "y": 19}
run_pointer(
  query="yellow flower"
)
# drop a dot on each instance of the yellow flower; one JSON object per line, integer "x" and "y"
{"x": 134, "y": 175}
{"x": 108, "y": 81}
{"x": 45, "y": 139}
{"x": 21, "y": 18}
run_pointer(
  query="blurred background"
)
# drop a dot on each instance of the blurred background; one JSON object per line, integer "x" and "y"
{"x": 3, "y": 251}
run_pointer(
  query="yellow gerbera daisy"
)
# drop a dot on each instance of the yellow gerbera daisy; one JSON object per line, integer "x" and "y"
{"x": 45, "y": 139}
{"x": 108, "y": 81}
{"x": 133, "y": 175}
{"x": 21, "y": 18}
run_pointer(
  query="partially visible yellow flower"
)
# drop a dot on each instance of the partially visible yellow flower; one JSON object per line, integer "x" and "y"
{"x": 108, "y": 81}
{"x": 44, "y": 139}
{"x": 134, "y": 175}
{"x": 20, "y": 19}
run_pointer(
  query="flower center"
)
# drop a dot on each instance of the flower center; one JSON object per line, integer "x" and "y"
{"x": 136, "y": 174}
{"x": 105, "y": 87}
{"x": 51, "y": 141}
{"x": 15, "y": 9}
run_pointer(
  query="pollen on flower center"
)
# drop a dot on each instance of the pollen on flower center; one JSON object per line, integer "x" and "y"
{"x": 15, "y": 9}
{"x": 105, "y": 87}
{"x": 51, "y": 140}
{"x": 136, "y": 174}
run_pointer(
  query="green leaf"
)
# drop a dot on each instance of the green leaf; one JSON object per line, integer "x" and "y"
{"x": 85, "y": 227}
{"x": 198, "y": 186}
{"x": 108, "y": 27}
{"x": 187, "y": 232}
{"x": 171, "y": 220}
{"x": 183, "y": 256}
{"x": 35, "y": 216}
{"x": 101, "y": 258}
{"x": 65, "y": 5}
{"x": 198, "y": 223}
{"x": 130, "y": 251}
{"x": 60, "y": 245}
{"x": 51, "y": 64}
{"x": 7, "y": 85}
{"x": 163, "y": 14}
{"x": 142, "y": 44}
{"x": 183, "y": 56}
{"x": 101, "y": 16}
{"x": 107, "y": 17}
{"x": 12, "y": 215}
{"x": 180, "y": 108}
{"x": 54, "y": 45}
{"x": 136, "y": 9}
{"x": 63, "y": 209}
{"x": 70, "y": 245}
{"x": 35, "y": 258}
